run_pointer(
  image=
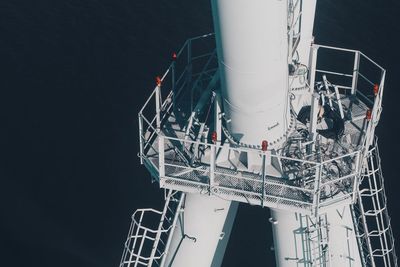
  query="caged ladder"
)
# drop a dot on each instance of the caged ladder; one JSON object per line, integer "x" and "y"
{"x": 315, "y": 241}
{"x": 370, "y": 214}
{"x": 145, "y": 246}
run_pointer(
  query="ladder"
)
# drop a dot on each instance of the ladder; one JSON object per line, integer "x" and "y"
{"x": 371, "y": 218}
{"x": 315, "y": 241}
{"x": 145, "y": 246}
{"x": 294, "y": 25}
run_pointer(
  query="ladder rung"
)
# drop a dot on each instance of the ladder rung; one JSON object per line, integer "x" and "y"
{"x": 374, "y": 212}
{"x": 376, "y": 233}
{"x": 373, "y": 192}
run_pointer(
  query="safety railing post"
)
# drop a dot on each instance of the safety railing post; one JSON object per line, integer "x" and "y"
{"x": 141, "y": 141}
{"x": 313, "y": 67}
{"x": 317, "y": 190}
{"x": 212, "y": 167}
{"x": 357, "y": 176}
{"x": 263, "y": 179}
{"x": 173, "y": 81}
{"x": 158, "y": 107}
{"x": 217, "y": 117}
{"x": 313, "y": 120}
{"x": 161, "y": 157}
{"x": 356, "y": 68}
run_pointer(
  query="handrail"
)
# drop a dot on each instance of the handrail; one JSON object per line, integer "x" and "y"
{"x": 249, "y": 149}
{"x": 313, "y": 171}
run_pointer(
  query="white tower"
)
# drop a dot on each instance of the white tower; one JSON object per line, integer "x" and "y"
{"x": 258, "y": 119}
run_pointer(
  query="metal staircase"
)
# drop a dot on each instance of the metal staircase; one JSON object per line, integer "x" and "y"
{"x": 146, "y": 246}
{"x": 370, "y": 214}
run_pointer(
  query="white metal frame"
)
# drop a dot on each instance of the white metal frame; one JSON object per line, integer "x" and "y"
{"x": 259, "y": 188}
{"x": 149, "y": 247}
{"x": 148, "y": 135}
{"x": 371, "y": 216}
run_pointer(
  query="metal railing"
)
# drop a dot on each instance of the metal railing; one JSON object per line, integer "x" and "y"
{"x": 186, "y": 71}
{"x": 363, "y": 75}
{"x": 306, "y": 185}
{"x": 321, "y": 185}
{"x": 260, "y": 188}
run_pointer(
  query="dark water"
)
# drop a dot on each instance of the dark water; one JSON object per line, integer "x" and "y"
{"x": 73, "y": 76}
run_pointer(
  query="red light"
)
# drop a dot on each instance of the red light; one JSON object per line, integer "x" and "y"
{"x": 158, "y": 81}
{"x": 174, "y": 56}
{"x": 368, "y": 116}
{"x": 214, "y": 137}
{"x": 376, "y": 89}
{"x": 264, "y": 145}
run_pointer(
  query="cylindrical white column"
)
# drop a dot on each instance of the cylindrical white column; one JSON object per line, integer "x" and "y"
{"x": 202, "y": 232}
{"x": 252, "y": 50}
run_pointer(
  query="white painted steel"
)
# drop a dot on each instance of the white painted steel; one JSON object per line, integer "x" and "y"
{"x": 307, "y": 25}
{"x": 291, "y": 244}
{"x": 252, "y": 45}
{"x": 201, "y": 234}
{"x": 287, "y": 243}
{"x": 252, "y": 49}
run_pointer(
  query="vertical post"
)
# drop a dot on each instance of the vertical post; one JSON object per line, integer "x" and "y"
{"x": 317, "y": 189}
{"x": 136, "y": 236}
{"x": 141, "y": 134}
{"x": 356, "y": 177}
{"x": 355, "y": 72}
{"x": 217, "y": 117}
{"x": 313, "y": 66}
{"x": 212, "y": 166}
{"x": 314, "y": 96}
{"x": 314, "y": 118}
{"x": 290, "y": 35}
{"x": 158, "y": 107}
{"x": 263, "y": 178}
{"x": 173, "y": 81}
{"x": 264, "y": 148}
{"x": 382, "y": 84}
{"x": 376, "y": 110}
{"x": 161, "y": 156}
{"x": 378, "y": 102}
{"x": 140, "y": 247}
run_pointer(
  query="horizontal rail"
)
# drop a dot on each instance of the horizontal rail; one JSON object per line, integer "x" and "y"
{"x": 334, "y": 73}
{"x": 336, "y": 48}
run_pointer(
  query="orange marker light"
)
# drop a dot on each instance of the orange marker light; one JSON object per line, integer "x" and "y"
{"x": 368, "y": 116}
{"x": 158, "y": 81}
{"x": 264, "y": 145}
{"x": 376, "y": 89}
{"x": 214, "y": 137}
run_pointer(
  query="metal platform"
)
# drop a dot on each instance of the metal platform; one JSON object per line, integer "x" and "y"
{"x": 178, "y": 152}
{"x": 306, "y": 175}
